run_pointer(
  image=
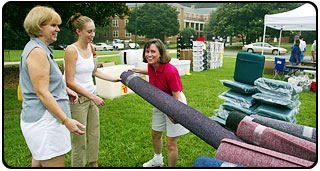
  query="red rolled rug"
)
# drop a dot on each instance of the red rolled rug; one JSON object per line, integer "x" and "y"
{"x": 253, "y": 156}
{"x": 273, "y": 139}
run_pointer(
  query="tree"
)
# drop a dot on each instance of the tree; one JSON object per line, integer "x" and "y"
{"x": 154, "y": 20}
{"x": 101, "y": 12}
{"x": 246, "y": 20}
{"x": 209, "y": 27}
{"x": 187, "y": 33}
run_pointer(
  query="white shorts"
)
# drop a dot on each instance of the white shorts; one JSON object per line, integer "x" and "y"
{"x": 46, "y": 138}
{"x": 161, "y": 122}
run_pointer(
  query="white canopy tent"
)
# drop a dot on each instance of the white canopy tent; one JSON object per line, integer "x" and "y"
{"x": 302, "y": 18}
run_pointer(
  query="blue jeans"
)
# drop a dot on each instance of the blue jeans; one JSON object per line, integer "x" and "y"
{"x": 302, "y": 56}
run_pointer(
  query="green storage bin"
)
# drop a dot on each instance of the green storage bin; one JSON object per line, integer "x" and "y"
{"x": 249, "y": 67}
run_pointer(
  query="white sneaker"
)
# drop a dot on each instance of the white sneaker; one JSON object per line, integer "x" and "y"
{"x": 154, "y": 163}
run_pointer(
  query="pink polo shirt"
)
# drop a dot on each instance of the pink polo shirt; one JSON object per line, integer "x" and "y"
{"x": 166, "y": 78}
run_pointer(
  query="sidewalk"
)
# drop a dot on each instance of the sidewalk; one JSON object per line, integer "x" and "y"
{"x": 59, "y": 59}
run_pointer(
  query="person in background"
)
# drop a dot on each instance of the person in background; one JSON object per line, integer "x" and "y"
{"x": 79, "y": 68}
{"x": 314, "y": 50}
{"x": 45, "y": 116}
{"x": 295, "y": 57}
{"x": 166, "y": 77}
{"x": 302, "y": 47}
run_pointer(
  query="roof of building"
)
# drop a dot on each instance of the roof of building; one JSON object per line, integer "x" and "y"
{"x": 194, "y": 10}
{"x": 186, "y": 9}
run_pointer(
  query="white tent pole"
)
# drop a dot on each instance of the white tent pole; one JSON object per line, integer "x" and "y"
{"x": 279, "y": 41}
{"x": 264, "y": 35}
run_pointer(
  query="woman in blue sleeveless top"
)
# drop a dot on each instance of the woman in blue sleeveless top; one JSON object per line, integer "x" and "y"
{"x": 45, "y": 116}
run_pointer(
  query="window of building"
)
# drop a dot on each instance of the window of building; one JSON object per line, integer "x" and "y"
{"x": 205, "y": 18}
{"x": 141, "y": 36}
{"x": 187, "y": 25}
{"x": 128, "y": 35}
{"x": 126, "y": 21}
{"x": 115, "y": 23}
{"x": 115, "y": 33}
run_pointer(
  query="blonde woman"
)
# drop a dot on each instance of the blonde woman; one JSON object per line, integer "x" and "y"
{"x": 79, "y": 68}
{"x": 45, "y": 116}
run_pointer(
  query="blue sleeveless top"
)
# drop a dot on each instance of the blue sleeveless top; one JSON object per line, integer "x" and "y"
{"x": 32, "y": 108}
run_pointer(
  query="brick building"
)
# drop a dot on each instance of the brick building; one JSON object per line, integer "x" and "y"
{"x": 188, "y": 17}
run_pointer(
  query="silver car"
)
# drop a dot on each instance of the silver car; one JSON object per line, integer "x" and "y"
{"x": 102, "y": 46}
{"x": 257, "y": 47}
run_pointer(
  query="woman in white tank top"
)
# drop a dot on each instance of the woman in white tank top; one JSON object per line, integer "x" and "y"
{"x": 79, "y": 67}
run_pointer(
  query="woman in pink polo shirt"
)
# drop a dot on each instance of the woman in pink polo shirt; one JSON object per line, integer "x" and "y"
{"x": 166, "y": 77}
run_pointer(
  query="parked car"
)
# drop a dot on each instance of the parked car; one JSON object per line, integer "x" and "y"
{"x": 132, "y": 45}
{"x": 60, "y": 47}
{"x": 118, "y": 44}
{"x": 257, "y": 47}
{"x": 102, "y": 46}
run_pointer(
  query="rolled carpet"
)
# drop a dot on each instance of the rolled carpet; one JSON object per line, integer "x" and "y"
{"x": 304, "y": 132}
{"x": 253, "y": 156}
{"x": 275, "y": 140}
{"x": 198, "y": 123}
{"x": 204, "y": 161}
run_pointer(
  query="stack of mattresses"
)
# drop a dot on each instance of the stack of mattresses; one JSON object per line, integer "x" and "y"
{"x": 279, "y": 99}
{"x": 249, "y": 67}
{"x": 269, "y": 143}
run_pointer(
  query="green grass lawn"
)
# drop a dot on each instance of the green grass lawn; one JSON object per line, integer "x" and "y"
{"x": 14, "y": 55}
{"x": 126, "y": 123}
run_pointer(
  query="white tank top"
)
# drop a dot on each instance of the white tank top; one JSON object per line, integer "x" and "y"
{"x": 83, "y": 72}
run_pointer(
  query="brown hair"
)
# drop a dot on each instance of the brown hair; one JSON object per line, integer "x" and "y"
{"x": 164, "y": 56}
{"x": 39, "y": 16}
{"x": 77, "y": 21}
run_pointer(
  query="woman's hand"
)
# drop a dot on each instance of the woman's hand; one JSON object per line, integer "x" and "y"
{"x": 98, "y": 101}
{"x": 116, "y": 79}
{"x": 172, "y": 120}
{"x": 73, "y": 96}
{"x": 139, "y": 70}
{"x": 131, "y": 69}
{"x": 74, "y": 126}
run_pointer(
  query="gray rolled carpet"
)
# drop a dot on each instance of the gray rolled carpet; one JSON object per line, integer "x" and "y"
{"x": 198, "y": 123}
{"x": 297, "y": 130}
{"x": 305, "y": 132}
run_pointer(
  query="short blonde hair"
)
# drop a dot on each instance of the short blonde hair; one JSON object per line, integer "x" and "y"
{"x": 39, "y": 16}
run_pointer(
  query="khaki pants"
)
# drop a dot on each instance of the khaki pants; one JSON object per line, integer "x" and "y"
{"x": 87, "y": 145}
